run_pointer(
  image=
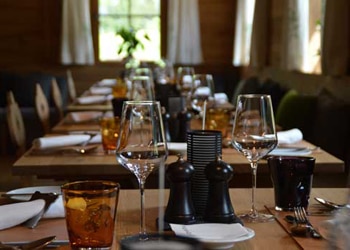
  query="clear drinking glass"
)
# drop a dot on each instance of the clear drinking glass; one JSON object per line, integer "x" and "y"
{"x": 142, "y": 146}
{"x": 254, "y": 135}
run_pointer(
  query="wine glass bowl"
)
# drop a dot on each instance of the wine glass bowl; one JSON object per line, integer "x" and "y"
{"x": 141, "y": 146}
{"x": 254, "y": 135}
{"x": 202, "y": 90}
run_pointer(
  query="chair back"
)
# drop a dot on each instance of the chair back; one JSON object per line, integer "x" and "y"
{"x": 42, "y": 108}
{"x": 57, "y": 97}
{"x": 71, "y": 86}
{"x": 16, "y": 124}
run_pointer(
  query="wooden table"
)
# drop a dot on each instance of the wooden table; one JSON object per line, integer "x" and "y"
{"x": 267, "y": 235}
{"x": 75, "y": 166}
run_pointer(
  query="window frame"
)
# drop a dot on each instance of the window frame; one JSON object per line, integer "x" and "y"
{"x": 95, "y": 30}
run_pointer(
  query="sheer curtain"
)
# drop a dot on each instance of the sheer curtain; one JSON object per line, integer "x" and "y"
{"x": 243, "y": 32}
{"x": 184, "y": 40}
{"x": 76, "y": 43}
{"x": 295, "y": 36}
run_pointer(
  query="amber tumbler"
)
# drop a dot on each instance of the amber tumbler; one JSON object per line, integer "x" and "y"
{"x": 90, "y": 211}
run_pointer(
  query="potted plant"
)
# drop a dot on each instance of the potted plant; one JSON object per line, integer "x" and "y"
{"x": 131, "y": 42}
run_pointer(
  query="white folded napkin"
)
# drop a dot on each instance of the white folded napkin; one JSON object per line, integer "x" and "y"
{"x": 85, "y": 115}
{"x": 210, "y": 231}
{"x": 91, "y": 99}
{"x": 56, "y": 209}
{"x": 289, "y": 136}
{"x": 14, "y": 214}
{"x": 220, "y": 97}
{"x": 107, "y": 82}
{"x": 100, "y": 90}
{"x": 59, "y": 141}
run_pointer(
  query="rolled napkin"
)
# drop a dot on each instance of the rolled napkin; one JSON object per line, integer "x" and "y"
{"x": 59, "y": 141}
{"x": 100, "y": 90}
{"x": 84, "y": 116}
{"x": 289, "y": 136}
{"x": 220, "y": 97}
{"x": 14, "y": 214}
{"x": 91, "y": 99}
{"x": 107, "y": 82}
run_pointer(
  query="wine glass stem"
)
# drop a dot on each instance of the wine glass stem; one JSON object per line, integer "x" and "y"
{"x": 143, "y": 234}
{"x": 254, "y": 167}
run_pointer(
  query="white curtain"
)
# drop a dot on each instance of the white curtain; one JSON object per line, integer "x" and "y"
{"x": 184, "y": 40}
{"x": 76, "y": 43}
{"x": 295, "y": 36}
{"x": 243, "y": 32}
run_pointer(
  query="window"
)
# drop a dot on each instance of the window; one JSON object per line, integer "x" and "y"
{"x": 142, "y": 16}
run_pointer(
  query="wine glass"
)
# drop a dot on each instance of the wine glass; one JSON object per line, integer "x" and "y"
{"x": 202, "y": 90}
{"x": 254, "y": 135}
{"x": 184, "y": 80}
{"x": 141, "y": 146}
{"x": 141, "y": 89}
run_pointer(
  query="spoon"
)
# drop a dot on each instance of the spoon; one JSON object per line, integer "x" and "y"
{"x": 329, "y": 204}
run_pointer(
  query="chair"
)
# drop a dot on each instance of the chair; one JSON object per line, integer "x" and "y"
{"x": 16, "y": 124}
{"x": 71, "y": 86}
{"x": 42, "y": 108}
{"x": 57, "y": 97}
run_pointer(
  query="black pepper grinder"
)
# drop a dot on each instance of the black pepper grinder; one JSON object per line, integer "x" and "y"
{"x": 184, "y": 118}
{"x": 180, "y": 208}
{"x": 219, "y": 208}
{"x": 166, "y": 118}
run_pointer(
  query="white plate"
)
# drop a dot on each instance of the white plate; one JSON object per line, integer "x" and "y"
{"x": 215, "y": 235}
{"x": 292, "y": 151}
{"x": 31, "y": 190}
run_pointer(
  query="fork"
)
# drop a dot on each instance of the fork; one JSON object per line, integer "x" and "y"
{"x": 301, "y": 218}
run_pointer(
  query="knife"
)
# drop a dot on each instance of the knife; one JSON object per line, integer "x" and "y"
{"x": 33, "y": 245}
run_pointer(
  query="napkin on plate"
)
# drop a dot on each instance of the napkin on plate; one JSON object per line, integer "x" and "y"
{"x": 100, "y": 90}
{"x": 59, "y": 141}
{"x": 91, "y": 99}
{"x": 56, "y": 209}
{"x": 210, "y": 231}
{"x": 289, "y": 136}
{"x": 85, "y": 115}
{"x": 14, "y": 214}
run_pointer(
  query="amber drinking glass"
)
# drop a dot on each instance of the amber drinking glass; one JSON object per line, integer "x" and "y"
{"x": 90, "y": 209}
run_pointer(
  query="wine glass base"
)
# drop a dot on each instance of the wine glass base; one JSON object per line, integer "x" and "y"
{"x": 159, "y": 242}
{"x": 256, "y": 217}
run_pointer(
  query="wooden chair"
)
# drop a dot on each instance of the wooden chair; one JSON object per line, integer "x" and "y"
{"x": 57, "y": 98}
{"x": 42, "y": 108}
{"x": 71, "y": 86}
{"x": 16, "y": 124}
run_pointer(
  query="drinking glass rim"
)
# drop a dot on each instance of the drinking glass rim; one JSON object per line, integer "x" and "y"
{"x": 112, "y": 185}
{"x": 255, "y": 95}
{"x": 149, "y": 102}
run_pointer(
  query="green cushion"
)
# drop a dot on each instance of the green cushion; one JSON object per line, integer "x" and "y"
{"x": 296, "y": 111}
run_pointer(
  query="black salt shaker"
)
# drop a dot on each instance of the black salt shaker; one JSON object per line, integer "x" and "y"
{"x": 180, "y": 208}
{"x": 219, "y": 208}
